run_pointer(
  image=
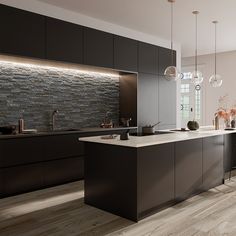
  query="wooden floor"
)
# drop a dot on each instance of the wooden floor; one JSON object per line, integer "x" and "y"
{"x": 60, "y": 211}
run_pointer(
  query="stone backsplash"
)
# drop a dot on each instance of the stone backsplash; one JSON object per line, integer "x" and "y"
{"x": 33, "y": 92}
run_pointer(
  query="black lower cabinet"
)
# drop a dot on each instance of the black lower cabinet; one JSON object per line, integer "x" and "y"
{"x": 62, "y": 171}
{"x": 22, "y": 179}
{"x": 1, "y": 184}
{"x": 111, "y": 179}
{"x": 188, "y": 168}
{"x": 129, "y": 182}
{"x": 213, "y": 170}
{"x": 155, "y": 178}
{"x": 228, "y": 152}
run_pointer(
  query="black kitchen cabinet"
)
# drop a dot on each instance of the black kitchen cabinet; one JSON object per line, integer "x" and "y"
{"x": 165, "y": 59}
{"x": 64, "y": 41}
{"x": 22, "y": 179}
{"x": 98, "y": 48}
{"x": 188, "y": 168}
{"x": 29, "y": 150}
{"x": 228, "y": 151}
{"x": 213, "y": 151}
{"x": 148, "y": 58}
{"x": 155, "y": 177}
{"x": 62, "y": 171}
{"x": 1, "y": 183}
{"x": 167, "y": 103}
{"x": 125, "y": 54}
{"x": 147, "y": 99}
{"x": 22, "y": 32}
{"x": 128, "y": 97}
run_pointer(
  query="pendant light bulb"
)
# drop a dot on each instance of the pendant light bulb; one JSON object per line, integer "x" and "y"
{"x": 171, "y": 73}
{"x": 215, "y": 80}
{"x": 196, "y": 75}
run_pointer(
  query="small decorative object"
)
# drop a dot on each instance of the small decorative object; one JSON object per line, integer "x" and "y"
{"x": 233, "y": 117}
{"x": 125, "y": 135}
{"x": 193, "y": 125}
{"x": 233, "y": 124}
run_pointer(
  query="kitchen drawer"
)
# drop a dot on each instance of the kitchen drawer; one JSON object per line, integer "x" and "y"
{"x": 21, "y": 179}
{"x": 20, "y": 151}
{"x": 63, "y": 171}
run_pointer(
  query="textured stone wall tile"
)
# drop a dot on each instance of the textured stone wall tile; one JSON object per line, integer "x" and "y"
{"x": 34, "y": 92}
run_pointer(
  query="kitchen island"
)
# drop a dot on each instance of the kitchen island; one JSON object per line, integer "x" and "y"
{"x": 140, "y": 176}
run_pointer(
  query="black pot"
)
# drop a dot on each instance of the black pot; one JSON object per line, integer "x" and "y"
{"x": 149, "y": 129}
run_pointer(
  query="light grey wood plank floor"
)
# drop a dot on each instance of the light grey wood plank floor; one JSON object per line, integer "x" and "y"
{"x": 60, "y": 211}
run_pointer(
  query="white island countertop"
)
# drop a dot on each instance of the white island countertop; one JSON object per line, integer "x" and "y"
{"x": 175, "y": 136}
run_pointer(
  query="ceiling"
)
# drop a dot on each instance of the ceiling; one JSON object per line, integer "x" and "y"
{"x": 153, "y": 17}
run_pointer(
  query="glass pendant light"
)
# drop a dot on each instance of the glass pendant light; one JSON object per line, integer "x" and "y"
{"x": 196, "y": 76}
{"x": 215, "y": 80}
{"x": 171, "y": 72}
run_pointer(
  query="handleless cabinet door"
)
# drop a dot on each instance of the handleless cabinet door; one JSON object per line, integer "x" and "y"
{"x": 188, "y": 168}
{"x": 98, "y": 48}
{"x": 155, "y": 177}
{"x": 148, "y": 58}
{"x": 22, "y": 179}
{"x": 147, "y": 99}
{"x": 228, "y": 151}
{"x": 1, "y": 183}
{"x": 62, "y": 171}
{"x": 64, "y": 41}
{"x": 167, "y": 103}
{"x": 213, "y": 151}
{"x": 125, "y": 54}
{"x": 22, "y": 32}
{"x": 165, "y": 59}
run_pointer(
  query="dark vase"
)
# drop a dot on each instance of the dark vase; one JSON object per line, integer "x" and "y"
{"x": 233, "y": 123}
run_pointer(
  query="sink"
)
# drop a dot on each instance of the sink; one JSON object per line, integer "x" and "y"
{"x": 65, "y": 130}
{"x": 163, "y": 132}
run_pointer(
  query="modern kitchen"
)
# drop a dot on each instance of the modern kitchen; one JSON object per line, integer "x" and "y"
{"x": 117, "y": 118}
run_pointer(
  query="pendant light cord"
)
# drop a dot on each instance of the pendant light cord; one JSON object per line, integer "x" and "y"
{"x": 196, "y": 45}
{"x": 215, "y": 45}
{"x": 172, "y": 52}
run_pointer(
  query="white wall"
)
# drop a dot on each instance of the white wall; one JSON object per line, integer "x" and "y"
{"x": 226, "y": 64}
{"x": 77, "y": 18}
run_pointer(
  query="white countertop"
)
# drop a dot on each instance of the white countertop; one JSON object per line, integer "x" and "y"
{"x": 175, "y": 136}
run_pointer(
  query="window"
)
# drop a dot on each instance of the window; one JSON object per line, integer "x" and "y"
{"x": 190, "y": 100}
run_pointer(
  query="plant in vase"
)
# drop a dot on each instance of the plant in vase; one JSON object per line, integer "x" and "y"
{"x": 225, "y": 115}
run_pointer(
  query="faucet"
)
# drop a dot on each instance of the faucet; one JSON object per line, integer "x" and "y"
{"x": 53, "y": 119}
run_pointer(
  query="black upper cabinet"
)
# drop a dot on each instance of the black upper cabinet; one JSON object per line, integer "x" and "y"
{"x": 98, "y": 48}
{"x": 165, "y": 59}
{"x": 22, "y": 32}
{"x": 64, "y": 41}
{"x": 148, "y": 58}
{"x": 125, "y": 54}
